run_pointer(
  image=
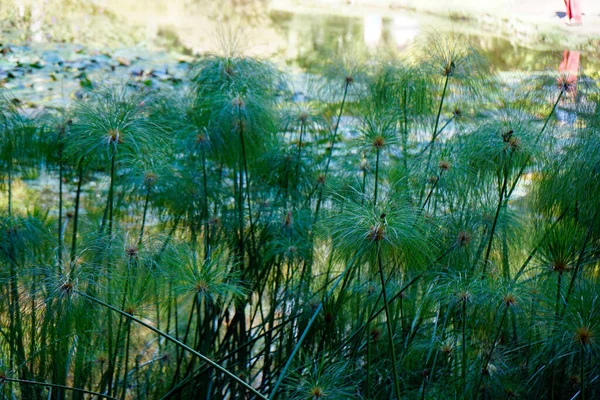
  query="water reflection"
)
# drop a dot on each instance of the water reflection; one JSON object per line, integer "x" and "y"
{"x": 313, "y": 38}
{"x": 372, "y": 29}
{"x": 404, "y": 30}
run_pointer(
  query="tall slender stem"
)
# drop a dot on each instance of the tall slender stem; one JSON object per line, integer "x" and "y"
{"x": 388, "y": 319}
{"x": 376, "y": 176}
{"x": 522, "y": 170}
{"x": 175, "y": 341}
{"x": 312, "y": 320}
{"x": 60, "y": 198}
{"x": 76, "y": 213}
{"x": 245, "y": 171}
{"x": 464, "y": 347}
{"x": 206, "y": 210}
{"x": 9, "y": 173}
{"x": 111, "y": 192}
{"x": 333, "y": 139}
{"x": 495, "y": 222}
{"x": 434, "y": 133}
{"x": 491, "y": 353}
{"x": 144, "y": 213}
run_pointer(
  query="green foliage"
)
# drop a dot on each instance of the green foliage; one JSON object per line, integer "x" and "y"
{"x": 411, "y": 229}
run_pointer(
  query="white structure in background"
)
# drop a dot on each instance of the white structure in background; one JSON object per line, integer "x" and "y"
{"x": 372, "y": 29}
{"x": 404, "y": 30}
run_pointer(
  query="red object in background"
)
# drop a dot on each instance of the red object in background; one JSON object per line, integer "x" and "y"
{"x": 569, "y": 69}
{"x": 574, "y": 10}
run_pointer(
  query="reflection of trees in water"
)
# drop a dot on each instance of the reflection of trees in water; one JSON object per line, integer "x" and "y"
{"x": 248, "y": 11}
{"x": 83, "y": 20}
{"x": 318, "y": 38}
{"x": 315, "y": 38}
{"x": 77, "y": 21}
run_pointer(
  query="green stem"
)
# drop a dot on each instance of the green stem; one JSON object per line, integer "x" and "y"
{"x": 489, "y": 357}
{"x": 464, "y": 347}
{"x": 522, "y": 170}
{"x": 53, "y": 385}
{"x": 9, "y": 173}
{"x": 144, "y": 214}
{"x": 175, "y": 341}
{"x": 111, "y": 192}
{"x": 388, "y": 322}
{"x": 330, "y": 155}
{"x": 376, "y": 176}
{"x": 500, "y": 202}
{"x": 125, "y": 370}
{"x": 582, "y": 371}
{"x": 206, "y": 211}
{"x": 76, "y": 213}
{"x": 580, "y": 258}
{"x": 247, "y": 178}
{"x": 307, "y": 328}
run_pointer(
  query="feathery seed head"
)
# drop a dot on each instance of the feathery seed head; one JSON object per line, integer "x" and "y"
{"x": 114, "y": 136}
{"x": 464, "y": 238}
{"x": 463, "y": 295}
{"x": 446, "y": 348}
{"x": 201, "y": 138}
{"x": 67, "y": 288}
{"x": 303, "y": 117}
{"x": 321, "y": 179}
{"x": 364, "y": 165}
{"x": 201, "y": 286}
{"x": 149, "y": 179}
{"x": 567, "y": 82}
{"x": 449, "y": 68}
{"x": 375, "y": 334}
{"x": 574, "y": 380}
{"x": 288, "y": 219}
{"x": 131, "y": 251}
{"x": 376, "y": 233}
{"x": 514, "y": 143}
{"x": 560, "y": 266}
{"x": 509, "y": 300}
{"x": 317, "y": 392}
{"x": 444, "y": 165}
{"x": 378, "y": 142}
{"x": 584, "y": 336}
{"x": 238, "y": 102}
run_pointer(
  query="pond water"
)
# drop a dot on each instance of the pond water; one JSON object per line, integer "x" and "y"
{"x": 50, "y": 73}
{"x": 313, "y": 38}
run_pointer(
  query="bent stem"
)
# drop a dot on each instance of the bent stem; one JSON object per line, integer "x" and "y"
{"x": 308, "y": 326}
{"x": 175, "y": 341}
{"x": 54, "y": 385}
{"x": 522, "y": 170}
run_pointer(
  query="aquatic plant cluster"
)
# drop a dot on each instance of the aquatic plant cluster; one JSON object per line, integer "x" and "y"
{"x": 402, "y": 229}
